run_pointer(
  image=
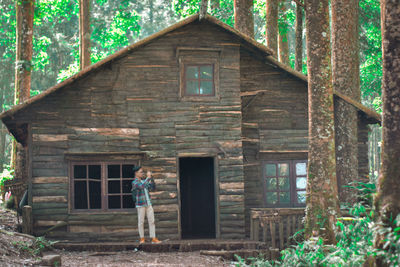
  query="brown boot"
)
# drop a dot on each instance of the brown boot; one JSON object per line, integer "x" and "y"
{"x": 142, "y": 240}
{"x": 154, "y": 240}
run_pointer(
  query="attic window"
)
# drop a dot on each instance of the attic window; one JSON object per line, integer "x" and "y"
{"x": 199, "y": 73}
{"x": 101, "y": 186}
{"x": 199, "y": 80}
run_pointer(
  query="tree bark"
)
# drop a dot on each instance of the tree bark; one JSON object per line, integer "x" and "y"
{"x": 346, "y": 80}
{"x": 283, "y": 36}
{"x": 387, "y": 199}
{"x": 214, "y": 4}
{"x": 322, "y": 200}
{"x": 244, "y": 20}
{"x": 84, "y": 34}
{"x": 298, "y": 64}
{"x": 24, "y": 35}
{"x": 271, "y": 28}
{"x": 203, "y": 9}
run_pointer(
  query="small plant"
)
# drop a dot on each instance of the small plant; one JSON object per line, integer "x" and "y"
{"x": 35, "y": 247}
{"x": 7, "y": 174}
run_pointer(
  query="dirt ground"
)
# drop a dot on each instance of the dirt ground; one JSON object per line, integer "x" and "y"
{"x": 14, "y": 251}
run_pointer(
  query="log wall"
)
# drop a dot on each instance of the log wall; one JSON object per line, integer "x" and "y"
{"x": 274, "y": 107}
{"x": 131, "y": 109}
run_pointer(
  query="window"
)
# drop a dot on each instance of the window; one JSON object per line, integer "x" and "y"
{"x": 199, "y": 80}
{"x": 285, "y": 183}
{"x": 199, "y": 73}
{"x": 102, "y": 186}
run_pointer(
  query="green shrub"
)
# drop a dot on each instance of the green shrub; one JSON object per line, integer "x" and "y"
{"x": 35, "y": 247}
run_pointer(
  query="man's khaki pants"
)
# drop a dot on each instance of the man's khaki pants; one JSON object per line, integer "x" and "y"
{"x": 142, "y": 212}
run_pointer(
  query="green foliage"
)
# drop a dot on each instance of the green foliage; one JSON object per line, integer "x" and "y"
{"x": 355, "y": 241}
{"x": 7, "y": 174}
{"x": 35, "y": 247}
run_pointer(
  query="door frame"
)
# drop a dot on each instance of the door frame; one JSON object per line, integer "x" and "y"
{"x": 216, "y": 189}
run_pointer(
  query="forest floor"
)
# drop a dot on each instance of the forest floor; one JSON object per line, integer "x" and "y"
{"x": 16, "y": 250}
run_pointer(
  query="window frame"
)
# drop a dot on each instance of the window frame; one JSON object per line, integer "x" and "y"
{"x": 104, "y": 185}
{"x": 195, "y": 56}
{"x": 199, "y": 80}
{"x": 292, "y": 183}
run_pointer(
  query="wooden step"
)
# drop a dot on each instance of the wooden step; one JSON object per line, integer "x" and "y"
{"x": 166, "y": 246}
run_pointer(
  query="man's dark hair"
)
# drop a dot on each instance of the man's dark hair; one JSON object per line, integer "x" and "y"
{"x": 135, "y": 169}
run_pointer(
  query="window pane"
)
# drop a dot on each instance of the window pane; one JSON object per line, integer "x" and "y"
{"x": 127, "y": 171}
{"x": 301, "y": 168}
{"x": 80, "y": 195}
{"x": 272, "y": 198}
{"x": 114, "y": 202}
{"x": 95, "y": 195}
{"x": 206, "y": 88}
{"x": 127, "y": 202}
{"x": 192, "y": 87}
{"x": 126, "y": 186}
{"x": 283, "y": 169}
{"x": 284, "y": 197}
{"x": 271, "y": 169}
{"x": 95, "y": 172}
{"x": 284, "y": 184}
{"x": 80, "y": 171}
{"x": 271, "y": 183}
{"x": 206, "y": 72}
{"x": 301, "y": 196}
{"x": 301, "y": 182}
{"x": 113, "y": 171}
{"x": 114, "y": 187}
{"x": 192, "y": 72}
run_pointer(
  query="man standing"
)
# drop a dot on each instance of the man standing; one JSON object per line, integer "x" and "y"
{"x": 143, "y": 203}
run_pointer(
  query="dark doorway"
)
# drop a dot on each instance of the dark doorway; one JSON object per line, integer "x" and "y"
{"x": 197, "y": 197}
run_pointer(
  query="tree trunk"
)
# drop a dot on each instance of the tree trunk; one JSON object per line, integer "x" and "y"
{"x": 283, "y": 36}
{"x": 298, "y": 65}
{"x": 271, "y": 28}
{"x": 25, "y": 13}
{"x": 84, "y": 34}
{"x": 203, "y": 9}
{"x": 24, "y": 35}
{"x": 214, "y": 4}
{"x": 2, "y": 133}
{"x": 346, "y": 80}
{"x": 244, "y": 21}
{"x": 322, "y": 199}
{"x": 387, "y": 199}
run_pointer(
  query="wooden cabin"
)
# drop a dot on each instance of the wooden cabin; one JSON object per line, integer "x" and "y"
{"x": 208, "y": 110}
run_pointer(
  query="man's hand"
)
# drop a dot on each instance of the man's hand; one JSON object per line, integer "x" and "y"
{"x": 149, "y": 174}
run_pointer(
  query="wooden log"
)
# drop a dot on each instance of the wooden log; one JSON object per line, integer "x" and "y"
{"x": 272, "y": 230}
{"x": 51, "y": 199}
{"x": 281, "y": 235}
{"x": 45, "y": 180}
{"x": 27, "y": 221}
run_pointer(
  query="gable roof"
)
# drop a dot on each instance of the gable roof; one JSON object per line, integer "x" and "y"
{"x": 244, "y": 39}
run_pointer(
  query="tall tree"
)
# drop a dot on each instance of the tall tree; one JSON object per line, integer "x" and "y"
{"x": 387, "y": 199}
{"x": 24, "y": 36}
{"x": 298, "y": 64}
{"x": 203, "y": 9}
{"x": 23, "y": 69}
{"x": 84, "y": 34}
{"x": 271, "y": 28}
{"x": 283, "y": 34}
{"x": 244, "y": 19}
{"x": 322, "y": 200}
{"x": 346, "y": 80}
